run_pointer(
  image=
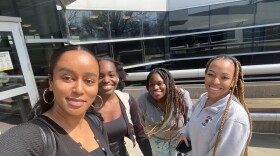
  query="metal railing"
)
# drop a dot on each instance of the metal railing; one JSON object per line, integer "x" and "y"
{"x": 198, "y": 73}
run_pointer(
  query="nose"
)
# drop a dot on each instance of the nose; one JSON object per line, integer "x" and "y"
{"x": 155, "y": 87}
{"x": 105, "y": 79}
{"x": 216, "y": 81}
{"x": 78, "y": 87}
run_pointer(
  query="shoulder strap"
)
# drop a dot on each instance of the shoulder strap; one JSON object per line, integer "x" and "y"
{"x": 47, "y": 136}
{"x": 97, "y": 121}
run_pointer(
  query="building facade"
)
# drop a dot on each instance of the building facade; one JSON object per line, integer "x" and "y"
{"x": 143, "y": 34}
{"x": 175, "y": 34}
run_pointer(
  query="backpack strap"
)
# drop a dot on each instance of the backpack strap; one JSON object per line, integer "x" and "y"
{"x": 97, "y": 121}
{"x": 47, "y": 136}
{"x": 100, "y": 131}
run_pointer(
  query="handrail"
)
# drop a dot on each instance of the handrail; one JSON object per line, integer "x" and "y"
{"x": 196, "y": 73}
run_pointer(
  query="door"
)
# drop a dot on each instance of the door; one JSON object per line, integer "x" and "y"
{"x": 18, "y": 91}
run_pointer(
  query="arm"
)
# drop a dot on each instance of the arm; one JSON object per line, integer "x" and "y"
{"x": 188, "y": 103}
{"x": 141, "y": 137}
{"x": 233, "y": 139}
{"x": 24, "y": 139}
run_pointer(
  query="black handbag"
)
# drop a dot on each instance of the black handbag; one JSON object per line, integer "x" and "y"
{"x": 183, "y": 148}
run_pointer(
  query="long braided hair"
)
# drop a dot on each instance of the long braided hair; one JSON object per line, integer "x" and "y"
{"x": 238, "y": 91}
{"x": 173, "y": 102}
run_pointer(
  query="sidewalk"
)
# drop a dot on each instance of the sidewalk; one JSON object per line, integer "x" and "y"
{"x": 261, "y": 145}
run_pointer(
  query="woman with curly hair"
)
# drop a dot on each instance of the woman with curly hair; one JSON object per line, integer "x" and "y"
{"x": 119, "y": 110}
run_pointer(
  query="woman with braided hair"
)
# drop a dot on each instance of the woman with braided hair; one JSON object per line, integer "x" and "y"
{"x": 220, "y": 124}
{"x": 164, "y": 110}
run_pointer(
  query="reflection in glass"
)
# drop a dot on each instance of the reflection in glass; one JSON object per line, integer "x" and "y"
{"x": 267, "y": 38}
{"x": 154, "y": 50}
{"x": 189, "y": 20}
{"x": 128, "y": 52}
{"x": 14, "y": 111}
{"x": 39, "y": 54}
{"x": 155, "y": 23}
{"x": 125, "y": 24}
{"x": 87, "y": 25}
{"x": 267, "y": 12}
{"x": 231, "y": 15}
{"x": 10, "y": 72}
{"x": 39, "y": 18}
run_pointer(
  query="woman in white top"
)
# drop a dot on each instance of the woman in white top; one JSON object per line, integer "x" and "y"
{"x": 220, "y": 123}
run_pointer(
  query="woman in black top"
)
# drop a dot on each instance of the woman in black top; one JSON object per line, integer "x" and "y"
{"x": 119, "y": 110}
{"x": 73, "y": 86}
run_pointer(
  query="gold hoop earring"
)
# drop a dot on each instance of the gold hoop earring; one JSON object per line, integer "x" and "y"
{"x": 96, "y": 105}
{"x": 45, "y": 98}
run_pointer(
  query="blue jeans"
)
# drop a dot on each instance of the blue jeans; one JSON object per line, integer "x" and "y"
{"x": 162, "y": 147}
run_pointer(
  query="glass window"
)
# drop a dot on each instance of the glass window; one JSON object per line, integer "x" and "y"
{"x": 11, "y": 72}
{"x": 100, "y": 50}
{"x": 14, "y": 111}
{"x": 39, "y": 55}
{"x": 129, "y": 53}
{"x": 87, "y": 25}
{"x": 125, "y": 24}
{"x": 39, "y": 18}
{"x": 154, "y": 50}
{"x": 189, "y": 46}
{"x": 267, "y": 38}
{"x": 231, "y": 15}
{"x": 189, "y": 20}
{"x": 155, "y": 23}
{"x": 267, "y": 12}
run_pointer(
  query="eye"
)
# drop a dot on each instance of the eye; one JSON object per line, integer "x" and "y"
{"x": 112, "y": 75}
{"x": 151, "y": 85}
{"x": 67, "y": 78}
{"x": 210, "y": 74}
{"x": 89, "y": 81}
{"x": 225, "y": 78}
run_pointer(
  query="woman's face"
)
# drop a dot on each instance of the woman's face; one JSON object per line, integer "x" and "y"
{"x": 74, "y": 82}
{"x": 219, "y": 79}
{"x": 108, "y": 77}
{"x": 157, "y": 87}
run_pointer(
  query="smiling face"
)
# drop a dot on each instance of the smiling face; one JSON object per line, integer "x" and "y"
{"x": 219, "y": 79}
{"x": 74, "y": 82}
{"x": 108, "y": 78}
{"x": 157, "y": 87}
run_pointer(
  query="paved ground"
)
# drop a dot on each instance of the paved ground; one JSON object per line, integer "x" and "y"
{"x": 261, "y": 145}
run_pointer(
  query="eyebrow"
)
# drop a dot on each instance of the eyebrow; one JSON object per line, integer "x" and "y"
{"x": 223, "y": 73}
{"x": 71, "y": 71}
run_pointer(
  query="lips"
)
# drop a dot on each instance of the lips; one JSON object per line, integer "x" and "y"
{"x": 107, "y": 87}
{"x": 75, "y": 102}
{"x": 214, "y": 88}
{"x": 157, "y": 93}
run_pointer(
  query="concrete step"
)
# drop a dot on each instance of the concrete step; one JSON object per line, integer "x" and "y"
{"x": 260, "y": 145}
